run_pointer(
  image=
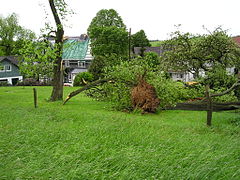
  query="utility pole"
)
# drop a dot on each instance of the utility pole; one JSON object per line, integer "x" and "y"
{"x": 129, "y": 44}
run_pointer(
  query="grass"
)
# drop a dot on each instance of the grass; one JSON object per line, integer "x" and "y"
{"x": 156, "y": 43}
{"x": 86, "y": 140}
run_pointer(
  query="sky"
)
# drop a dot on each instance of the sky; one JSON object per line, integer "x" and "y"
{"x": 158, "y": 18}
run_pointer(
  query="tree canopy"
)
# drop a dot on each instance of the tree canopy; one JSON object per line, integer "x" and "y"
{"x": 193, "y": 53}
{"x": 38, "y": 59}
{"x": 106, "y": 18}
{"x": 12, "y": 35}
{"x": 139, "y": 39}
{"x": 109, "y": 38}
{"x": 108, "y": 34}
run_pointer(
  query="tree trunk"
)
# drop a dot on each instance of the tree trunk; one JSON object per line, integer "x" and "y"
{"x": 57, "y": 91}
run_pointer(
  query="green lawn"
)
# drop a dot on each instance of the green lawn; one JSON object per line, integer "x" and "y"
{"x": 86, "y": 140}
{"x": 156, "y": 43}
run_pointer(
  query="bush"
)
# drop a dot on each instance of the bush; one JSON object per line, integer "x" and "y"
{"x": 4, "y": 83}
{"x": 33, "y": 82}
{"x": 28, "y": 82}
{"x": 83, "y": 77}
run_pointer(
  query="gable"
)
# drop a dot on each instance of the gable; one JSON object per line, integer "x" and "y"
{"x": 9, "y": 59}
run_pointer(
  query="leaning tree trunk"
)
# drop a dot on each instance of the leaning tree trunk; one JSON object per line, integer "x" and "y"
{"x": 57, "y": 91}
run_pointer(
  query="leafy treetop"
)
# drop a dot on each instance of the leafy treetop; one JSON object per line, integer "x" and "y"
{"x": 139, "y": 39}
{"x": 106, "y": 18}
{"x": 12, "y": 35}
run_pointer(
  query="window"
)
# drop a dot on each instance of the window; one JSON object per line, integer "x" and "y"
{"x": 180, "y": 75}
{"x": 7, "y": 67}
{"x": 81, "y": 64}
{"x": 67, "y": 63}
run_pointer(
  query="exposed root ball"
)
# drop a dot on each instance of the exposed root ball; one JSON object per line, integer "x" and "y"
{"x": 144, "y": 96}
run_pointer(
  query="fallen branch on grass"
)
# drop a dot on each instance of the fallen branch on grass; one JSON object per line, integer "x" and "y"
{"x": 89, "y": 86}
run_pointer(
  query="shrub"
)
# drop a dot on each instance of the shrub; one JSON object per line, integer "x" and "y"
{"x": 83, "y": 77}
{"x": 28, "y": 82}
{"x": 4, "y": 83}
{"x": 34, "y": 82}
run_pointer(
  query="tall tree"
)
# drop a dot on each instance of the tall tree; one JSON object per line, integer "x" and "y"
{"x": 43, "y": 53}
{"x": 58, "y": 8}
{"x": 106, "y": 18}
{"x": 12, "y": 35}
{"x": 108, "y": 33}
{"x": 139, "y": 39}
{"x": 109, "y": 38}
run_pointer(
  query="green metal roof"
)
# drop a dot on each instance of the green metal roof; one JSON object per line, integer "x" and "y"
{"x": 74, "y": 49}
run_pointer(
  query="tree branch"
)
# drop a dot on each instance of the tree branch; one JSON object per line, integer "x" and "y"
{"x": 89, "y": 86}
{"x": 228, "y": 90}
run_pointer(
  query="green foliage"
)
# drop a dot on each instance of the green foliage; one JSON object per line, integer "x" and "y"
{"x": 109, "y": 40}
{"x": 152, "y": 59}
{"x": 4, "y": 83}
{"x": 97, "y": 66}
{"x": 12, "y": 35}
{"x": 230, "y": 97}
{"x": 105, "y": 18}
{"x": 38, "y": 59}
{"x": 126, "y": 76}
{"x": 85, "y": 140}
{"x": 189, "y": 52}
{"x": 99, "y": 63}
{"x": 219, "y": 78}
{"x": 139, "y": 39}
{"x": 82, "y": 77}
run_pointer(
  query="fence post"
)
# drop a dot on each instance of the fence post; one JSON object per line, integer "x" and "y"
{"x": 209, "y": 106}
{"x": 35, "y": 97}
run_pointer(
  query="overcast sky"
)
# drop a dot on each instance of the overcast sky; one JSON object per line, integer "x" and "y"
{"x": 156, "y": 17}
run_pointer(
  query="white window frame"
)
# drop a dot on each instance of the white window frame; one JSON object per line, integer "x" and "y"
{"x": 81, "y": 64}
{"x": 67, "y": 63}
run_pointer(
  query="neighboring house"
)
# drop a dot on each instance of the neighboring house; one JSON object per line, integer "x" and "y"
{"x": 9, "y": 70}
{"x": 76, "y": 56}
{"x": 175, "y": 75}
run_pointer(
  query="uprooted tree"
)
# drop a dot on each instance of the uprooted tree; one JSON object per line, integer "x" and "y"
{"x": 144, "y": 96}
{"x": 121, "y": 81}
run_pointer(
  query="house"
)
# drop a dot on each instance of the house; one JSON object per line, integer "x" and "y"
{"x": 175, "y": 75}
{"x": 9, "y": 70}
{"x": 76, "y": 56}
